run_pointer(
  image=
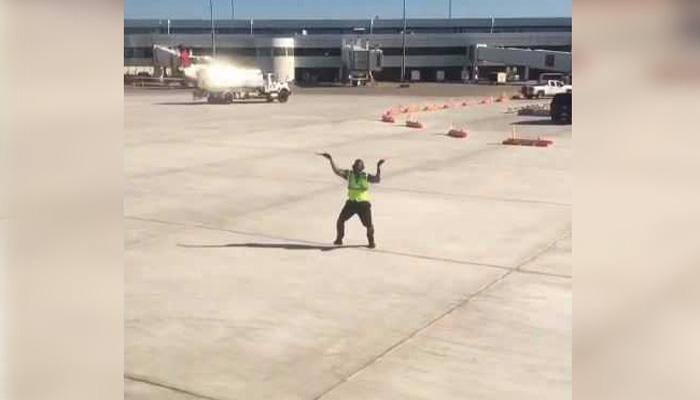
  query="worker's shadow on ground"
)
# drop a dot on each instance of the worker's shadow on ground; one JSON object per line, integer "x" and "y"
{"x": 285, "y": 246}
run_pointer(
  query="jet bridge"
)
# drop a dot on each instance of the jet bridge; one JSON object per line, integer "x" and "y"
{"x": 542, "y": 60}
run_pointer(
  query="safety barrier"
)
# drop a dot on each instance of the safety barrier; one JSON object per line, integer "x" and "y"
{"x": 527, "y": 142}
{"x": 390, "y": 114}
{"x": 411, "y": 122}
{"x": 387, "y": 117}
{"x": 515, "y": 140}
{"x": 503, "y": 98}
{"x": 458, "y": 133}
{"x": 452, "y": 103}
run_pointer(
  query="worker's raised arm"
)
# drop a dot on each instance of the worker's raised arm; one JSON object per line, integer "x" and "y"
{"x": 376, "y": 178}
{"x": 340, "y": 172}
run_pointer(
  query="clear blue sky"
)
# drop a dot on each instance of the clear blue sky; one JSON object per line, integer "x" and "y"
{"x": 293, "y": 9}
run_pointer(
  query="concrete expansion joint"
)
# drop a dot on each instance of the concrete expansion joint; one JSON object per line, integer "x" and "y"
{"x": 384, "y": 251}
{"x": 450, "y": 310}
{"x": 559, "y": 237}
{"x": 172, "y": 388}
{"x": 286, "y": 151}
{"x": 414, "y": 334}
{"x": 472, "y": 197}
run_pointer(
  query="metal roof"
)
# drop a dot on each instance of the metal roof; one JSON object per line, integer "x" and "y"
{"x": 352, "y": 23}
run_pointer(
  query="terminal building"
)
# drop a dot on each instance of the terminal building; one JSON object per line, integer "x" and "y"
{"x": 436, "y": 49}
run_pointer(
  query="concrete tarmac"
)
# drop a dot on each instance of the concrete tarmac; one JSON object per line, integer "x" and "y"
{"x": 234, "y": 292}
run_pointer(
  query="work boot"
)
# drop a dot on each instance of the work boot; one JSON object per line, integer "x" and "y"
{"x": 371, "y": 245}
{"x": 338, "y": 242}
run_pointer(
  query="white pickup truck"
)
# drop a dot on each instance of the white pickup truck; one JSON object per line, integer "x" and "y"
{"x": 548, "y": 88}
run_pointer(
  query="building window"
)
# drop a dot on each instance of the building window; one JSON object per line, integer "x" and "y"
{"x": 317, "y": 52}
{"x": 425, "y": 51}
{"x": 549, "y": 60}
{"x": 237, "y": 51}
{"x": 264, "y": 51}
{"x": 138, "y": 52}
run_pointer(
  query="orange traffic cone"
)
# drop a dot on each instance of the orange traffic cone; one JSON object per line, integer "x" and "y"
{"x": 387, "y": 117}
{"x": 457, "y": 133}
{"x": 503, "y": 98}
{"x": 413, "y": 123}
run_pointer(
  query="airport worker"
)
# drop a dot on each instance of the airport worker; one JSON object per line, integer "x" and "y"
{"x": 358, "y": 197}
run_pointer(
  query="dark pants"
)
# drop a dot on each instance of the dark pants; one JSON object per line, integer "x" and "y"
{"x": 364, "y": 210}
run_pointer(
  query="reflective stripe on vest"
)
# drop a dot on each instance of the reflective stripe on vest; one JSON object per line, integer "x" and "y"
{"x": 358, "y": 187}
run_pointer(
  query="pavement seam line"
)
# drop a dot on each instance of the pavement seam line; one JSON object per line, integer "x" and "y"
{"x": 397, "y": 253}
{"x": 432, "y": 322}
{"x": 272, "y": 154}
{"x": 151, "y": 382}
{"x": 394, "y": 346}
{"x": 474, "y": 197}
{"x": 305, "y": 124}
{"x": 562, "y": 235}
{"x": 286, "y": 151}
{"x": 390, "y": 189}
{"x": 412, "y": 335}
{"x": 474, "y": 263}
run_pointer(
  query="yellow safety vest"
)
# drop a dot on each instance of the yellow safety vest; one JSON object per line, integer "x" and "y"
{"x": 358, "y": 187}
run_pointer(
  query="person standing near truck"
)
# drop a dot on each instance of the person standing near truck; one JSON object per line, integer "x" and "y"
{"x": 358, "y": 197}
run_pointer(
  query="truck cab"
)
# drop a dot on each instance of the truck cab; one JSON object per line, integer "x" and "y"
{"x": 547, "y": 89}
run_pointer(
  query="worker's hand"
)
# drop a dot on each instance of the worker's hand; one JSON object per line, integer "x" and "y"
{"x": 326, "y": 155}
{"x": 382, "y": 161}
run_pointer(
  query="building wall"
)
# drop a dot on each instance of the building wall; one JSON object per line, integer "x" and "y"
{"x": 321, "y": 51}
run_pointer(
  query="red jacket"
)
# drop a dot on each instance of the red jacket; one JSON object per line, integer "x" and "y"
{"x": 185, "y": 60}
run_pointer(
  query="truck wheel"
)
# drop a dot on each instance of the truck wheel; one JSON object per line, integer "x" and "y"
{"x": 283, "y": 96}
{"x": 228, "y": 98}
{"x": 540, "y": 95}
{"x": 211, "y": 99}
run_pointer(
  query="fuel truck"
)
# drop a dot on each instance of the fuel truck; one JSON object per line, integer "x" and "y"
{"x": 220, "y": 81}
{"x": 224, "y": 83}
